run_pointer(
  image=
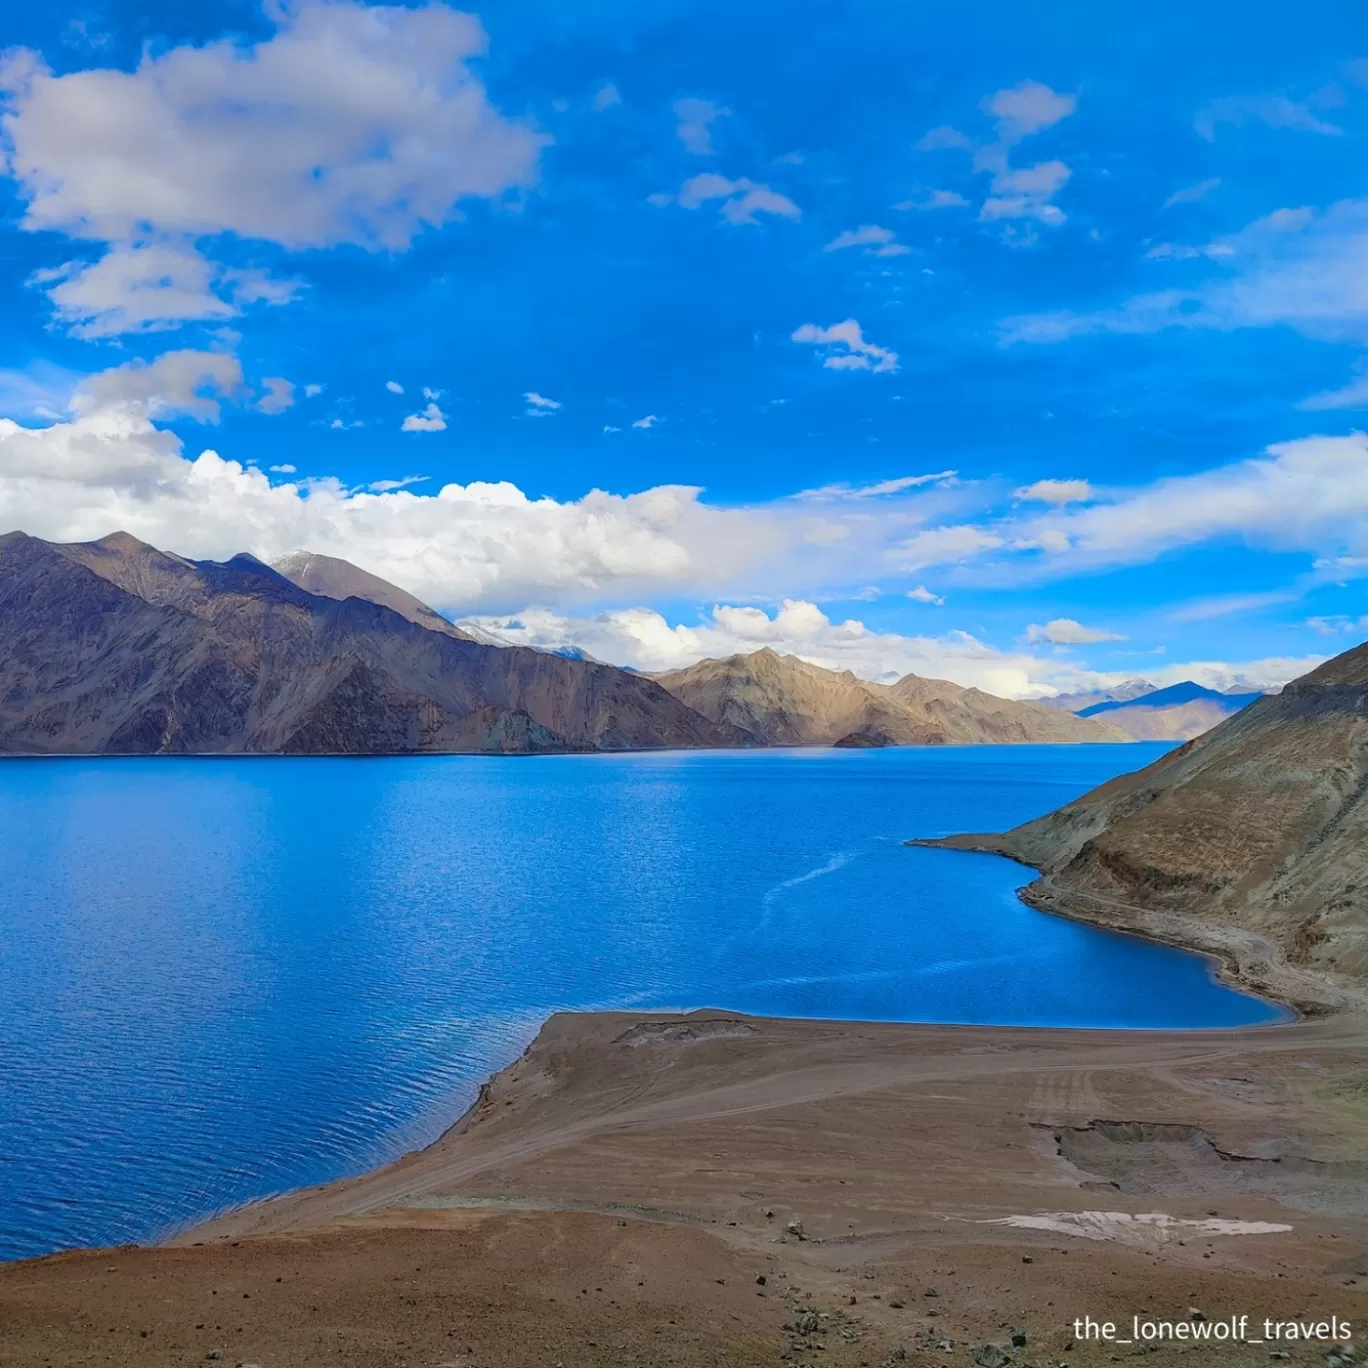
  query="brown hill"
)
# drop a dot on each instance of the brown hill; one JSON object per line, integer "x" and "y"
{"x": 1251, "y": 841}
{"x": 785, "y": 701}
{"x": 114, "y": 647}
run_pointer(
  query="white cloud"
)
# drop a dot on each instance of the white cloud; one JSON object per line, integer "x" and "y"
{"x": 1276, "y": 111}
{"x": 1068, "y": 632}
{"x": 178, "y": 383}
{"x": 1026, "y": 193}
{"x": 742, "y": 200}
{"x": 1015, "y": 192}
{"x": 1308, "y": 496}
{"x": 1297, "y": 267}
{"x": 539, "y": 406}
{"x": 1338, "y": 623}
{"x": 937, "y": 199}
{"x": 153, "y": 288}
{"x": 644, "y": 424}
{"x": 850, "y": 349}
{"x": 1352, "y": 395}
{"x": 1055, "y": 492}
{"x": 869, "y": 235}
{"x": 879, "y": 490}
{"x": 1190, "y": 194}
{"x": 921, "y": 594}
{"x": 283, "y": 470}
{"x": 1027, "y": 108}
{"x": 430, "y": 419}
{"x": 607, "y": 96}
{"x": 394, "y": 387}
{"x": 695, "y": 119}
{"x": 278, "y": 397}
{"x": 313, "y": 391}
{"x": 350, "y": 124}
{"x": 645, "y": 640}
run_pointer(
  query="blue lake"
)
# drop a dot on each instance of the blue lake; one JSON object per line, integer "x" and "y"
{"x": 220, "y": 979}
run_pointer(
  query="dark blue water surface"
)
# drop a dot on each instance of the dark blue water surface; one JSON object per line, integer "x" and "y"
{"x": 224, "y": 978}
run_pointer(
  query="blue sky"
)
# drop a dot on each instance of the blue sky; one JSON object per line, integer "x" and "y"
{"x": 1032, "y": 343}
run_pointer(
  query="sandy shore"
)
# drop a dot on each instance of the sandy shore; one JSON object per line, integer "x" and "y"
{"x": 620, "y": 1192}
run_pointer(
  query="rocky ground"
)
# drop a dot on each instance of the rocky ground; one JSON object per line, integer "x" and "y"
{"x": 719, "y": 1190}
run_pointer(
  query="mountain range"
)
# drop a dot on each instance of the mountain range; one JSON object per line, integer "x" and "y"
{"x": 1250, "y": 842}
{"x": 1145, "y": 712}
{"x": 115, "y": 647}
{"x": 784, "y": 701}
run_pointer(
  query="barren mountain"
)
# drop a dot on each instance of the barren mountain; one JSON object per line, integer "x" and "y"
{"x": 1251, "y": 841}
{"x": 787, "y": 702}
{"x": 329, "y": 577}
{"x": 115, "y": 647}
{"x": 1178, "y": 713}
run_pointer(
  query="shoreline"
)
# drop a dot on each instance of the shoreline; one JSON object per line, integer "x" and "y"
{"x": 744, "y": 1189}
{"x": 1243, "y": 960}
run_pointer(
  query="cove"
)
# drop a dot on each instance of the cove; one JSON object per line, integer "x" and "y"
{"x": 220, "y": 979}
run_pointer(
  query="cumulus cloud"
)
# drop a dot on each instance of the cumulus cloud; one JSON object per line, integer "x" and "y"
{"x": 538, "y": 405}
{"x": 1055, "y": 492}
{"x": 183, "y": 383}
{"x": 280, "y": 395}
{"x": 875, "y": 240}
{"x": 742, "y": 200}
{"x": 394, "y": 387}
{"x": 695, "y": 119}
{"x": 1027, "y": 193}
{"x": 1352, "y": 395}
{"x": 1027, "y": 108}
{"x": 1068, "y": 632}
{"x": 921, "y": 594}
{"x": 646, "y": 423}
{"x": 350, "y": 124}
{"x": 846, "y": 347}
{"x": 430, "y": 419}
{"x": 1024, "y": 192}
{"x": 606, "y": 97}
{"x": 1274, "y": 111}
{"x": 645, "y": 639}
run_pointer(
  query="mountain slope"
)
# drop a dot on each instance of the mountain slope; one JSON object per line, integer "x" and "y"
{"x": 115, "y": 647}
{"x": 1251, "y": 841}
{"x": 329, "y": 577}
{"x": 785, "y": 701}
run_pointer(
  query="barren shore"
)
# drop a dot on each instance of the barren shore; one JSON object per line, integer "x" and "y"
{"x": 627, "y": 1193}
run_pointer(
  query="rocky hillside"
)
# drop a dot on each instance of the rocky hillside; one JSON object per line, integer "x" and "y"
{"x": 1251, "y": 841}
{"x": 785, "y": 701}
{"x": 114, "y": 647}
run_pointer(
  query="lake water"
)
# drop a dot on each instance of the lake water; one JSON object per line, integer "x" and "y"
{"x": 220, "y": 979}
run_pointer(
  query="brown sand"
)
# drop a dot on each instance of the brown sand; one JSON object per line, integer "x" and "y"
{"x": 618, "y": 1191}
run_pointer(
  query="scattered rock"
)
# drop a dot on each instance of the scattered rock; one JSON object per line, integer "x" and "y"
{"x": 1026, "y": 1258}
{"x": 990, "y": 1356}
{"x": 760, "y": 1280}
{"x": 795, "y": 1227}
{"x": 214, "y": 1354}
{"x": 899, "y": 1355}
{"x": 1019, "y": 1337}
{"x": 1196, "y": 1313}
{"x": 930, "y": 1292}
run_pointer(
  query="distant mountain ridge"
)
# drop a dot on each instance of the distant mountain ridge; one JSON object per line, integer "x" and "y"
{"x": 115, "y": 647}
{"x": 1177, "y": 713}
{"x": 785, "y": 701}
